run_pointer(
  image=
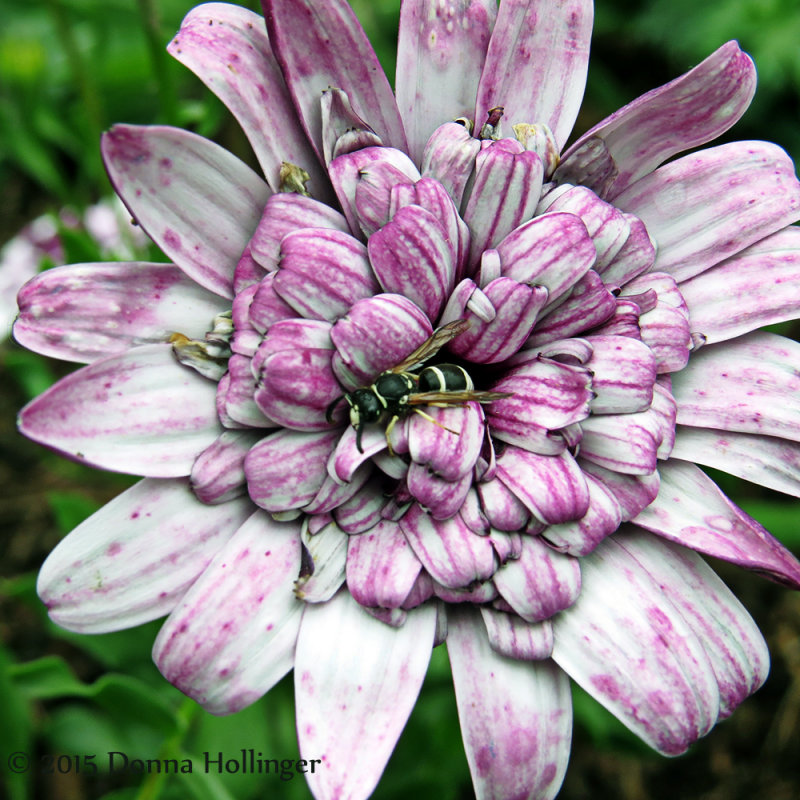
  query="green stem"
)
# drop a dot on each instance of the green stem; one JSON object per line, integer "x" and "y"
{"x": 167, "y": 96}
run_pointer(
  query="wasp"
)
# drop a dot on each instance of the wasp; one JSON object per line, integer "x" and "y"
{"x": 399, "y": 391}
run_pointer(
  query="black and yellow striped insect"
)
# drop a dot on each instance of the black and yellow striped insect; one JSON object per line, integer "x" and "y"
{"x": 399, "y": 391}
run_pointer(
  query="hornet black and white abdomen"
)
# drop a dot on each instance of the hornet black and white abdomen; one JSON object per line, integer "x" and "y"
{"x": 398, "y": 391}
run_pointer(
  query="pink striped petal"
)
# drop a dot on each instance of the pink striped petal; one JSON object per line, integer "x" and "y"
{"x": 286, "y": 469}
{"x": 218, "y": 473}
{"x": 326, "y": 550}
{"x": 323, "y": 272}
{"x": 86, "y": 311}
{"x": 544, "y": 393}
{"x": 246, "y": 338}
{"x": 580, "y": 537}
{"x": 449, "y": 157}
{"x": 552, "y": 487}
{"x": 607, "y": 225}
{"x": 287, "y": 212}
{"x": 756, "y": 287}
{"x": 357, "y": 699}
{"x": 632, "y": 492}
{"x": 174, "y": 182}
{"x": 381, "y": 566}
{"x": 632, "y": 650}
{"x": 765, "y": 460}
{"x": 707, "y": 206}
{"x": 440, "y": 497}
{"x": 450, "y": 552}
{"x": 693, "y": 109}
{"x": 343, "y": 131}
{"x": 388, "y": 167}
{"x": 320, "y": 46}
{"x": 139, "y": 412}
{"x": 504, "y": 194}
{"x": 502, "y": 508}
{"x": 233, "y": 635}
{"x": 590, "y": 304}
{"x": 537, "y": 63}
{"x": 362, "y": 511}
{"x": 376, "y": 335}
{"x": 132, "y": 560}
{"x": 541, "y": 582}
{"x": 624, "y": 373}
{"x": 516, "y": 717}
{"x": 692, "y": 511}
{"x": 448, "y": 455}
{"x": 734, "y": 645}
{"x": 227, "y": 47}
{"x": 637, "y": 255}
{"x": 665, "y": 328}
{"x": 267, "y": 306}
{"x": 731, "y": 385}
{"x": 553, "y": 250}
{"x": 410, "y": 256}
{"x": 236, "y": 404}
{"x": 375, "y": 187}
{"x": 511, "y": 636}
{"x": 516, "y": 307}
{"x": 440, "y": 54}
{"x": 624, "y": 443}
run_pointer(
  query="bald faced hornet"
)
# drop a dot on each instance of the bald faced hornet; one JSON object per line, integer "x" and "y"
{"x": 399, "y": 391}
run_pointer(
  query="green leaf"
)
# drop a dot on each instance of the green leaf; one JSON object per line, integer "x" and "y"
{"x": 70, "y": 508}
{"x": 15, "y": 735}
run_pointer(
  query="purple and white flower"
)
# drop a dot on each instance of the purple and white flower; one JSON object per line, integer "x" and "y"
{"x": 612, "y": 298}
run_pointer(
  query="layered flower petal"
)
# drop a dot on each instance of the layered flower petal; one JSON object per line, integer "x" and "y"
{"x": 516, "y": 717}
{"x": 138, "y": 412}
{"x": 173, "y": 182}
{"x": 689, "y": 111}
{"x": 692, "y": 511}
{"x": 707, "y": 206}
{"x": 227, "y": 47}
{"x": 310, "y": 41}
{"x": 537, "y": 63}
{"x": 671, "y": 698}
{"x": 86, "y": 311}
{"x": 132, "y": 560}
{"x": 233, "y": 635}
{"x": 357, "y": 698}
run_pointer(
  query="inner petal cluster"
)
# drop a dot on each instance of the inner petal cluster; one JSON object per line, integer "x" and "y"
{"x": 484, "y": 496}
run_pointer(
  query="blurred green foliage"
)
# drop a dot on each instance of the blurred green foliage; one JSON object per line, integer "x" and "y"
{"x": 68, "y": 70}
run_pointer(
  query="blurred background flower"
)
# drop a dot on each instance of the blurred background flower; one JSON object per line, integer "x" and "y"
{"x": 68, "y": 69}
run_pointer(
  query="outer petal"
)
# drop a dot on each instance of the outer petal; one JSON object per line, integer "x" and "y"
{"x": 537, "y": 62}
{"x": 756, "y": 287}
{"x": 765, "y": 460}
{"x": 358, "y": 697}
{"x": 516, "y": 717}
{"x": 132, "y": 560}
{"x": 631, "y": 649}
{"x": 707, "y": 206}
{"x": 440, "y": 55}
{"x": 86, "y": 311}
{"x": 227, "y": 47}
{"x": 692, "y": 511}
{"x": 731, "y": 385}
{"x": 233, "y": 635}
{"x": 174, "y": 182}
{"x": 734, "y": 645}
{"x": 140, "y": 412}
{"x": 689, "y": 111}
{"x": 320, "y": 45}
